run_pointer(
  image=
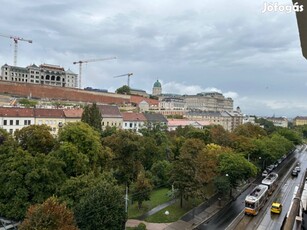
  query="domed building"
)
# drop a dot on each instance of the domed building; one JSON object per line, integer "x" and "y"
{"x": 157, "y": 88}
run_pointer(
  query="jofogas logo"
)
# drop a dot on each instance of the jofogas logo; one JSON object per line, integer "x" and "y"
{"x": 276, "y": 7}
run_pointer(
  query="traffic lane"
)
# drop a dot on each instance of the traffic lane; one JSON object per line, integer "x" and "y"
{"x": 274, "y": 221}
{"x": 223, "y": 218}
{"x": 285, "y": 196}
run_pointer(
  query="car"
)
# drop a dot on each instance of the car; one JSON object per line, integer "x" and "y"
{"x": 279, "y": 161}
{"x": 276, "y": 207}
{"x": 298, "y": 168}
{"x": 264, "y": 173}
{"x": 270, "y": 168}
{"x": 294, "y": 172}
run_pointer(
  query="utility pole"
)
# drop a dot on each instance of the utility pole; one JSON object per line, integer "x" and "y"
{"x": 126, "y": 200}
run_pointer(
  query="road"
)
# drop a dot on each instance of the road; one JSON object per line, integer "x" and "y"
{"x": 226, "y": 216}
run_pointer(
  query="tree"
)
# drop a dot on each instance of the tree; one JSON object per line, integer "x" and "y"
{"x": 26, "y": 179}
{"x": 50, "y": 215}
{"x": 219, "y": 135}
{"x": 236, "y": 167}
{"x": 35, "y": 139}
{"x": 249, "y": 130}
{"x": 75, "y": 188}
{"x": 184, "y": 173}
{"x": 128, "y": 155}
{"x": 268, "y": 125}
{"x": 76, "y": 163}
{"x": 86, "y": 141}
{"x": 141, "y": 189}
{"x": 123, "y": 90}
{"x": 160, "y": 171}
{"x": 92, "y": 116}
{"x": 102, "y": 207}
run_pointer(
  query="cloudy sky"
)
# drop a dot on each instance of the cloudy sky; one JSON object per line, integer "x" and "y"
{"x": 191, "y": 46}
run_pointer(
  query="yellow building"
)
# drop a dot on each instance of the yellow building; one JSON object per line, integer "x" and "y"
{"x": 300, "y": 121}
{"x": 54, "y": 118}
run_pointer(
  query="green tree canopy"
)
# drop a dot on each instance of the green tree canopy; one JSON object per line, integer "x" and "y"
{"x": 141, "y": 189}
{"x": 236, "y": 167}
{"x": 35, "y": 139}
{"x": 128, "y": 154}
{"x": 92, "y": 116}
{"x": 123, "y": 90}
{"x": 86, "y": 141}
{"x": 102, "y": 207}
{"x": 26, "y": 179}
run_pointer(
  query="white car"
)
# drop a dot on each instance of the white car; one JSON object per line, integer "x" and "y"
{"x": 264, "y": 173}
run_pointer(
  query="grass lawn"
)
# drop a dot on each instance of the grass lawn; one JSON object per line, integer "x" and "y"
{"x": 175, "y": 212}
{"x": 157, "y": 197}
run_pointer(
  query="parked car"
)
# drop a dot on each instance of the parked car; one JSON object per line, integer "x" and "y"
{"x": 276, "y": 207}
{"x": 264, "y": 173}
{"x": 298, "y": 168}
{"x": 294, "y": 172}
{"x": 270, "y": 168}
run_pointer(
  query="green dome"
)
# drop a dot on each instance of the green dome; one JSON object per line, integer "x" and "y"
{"x": 157, "y": 84}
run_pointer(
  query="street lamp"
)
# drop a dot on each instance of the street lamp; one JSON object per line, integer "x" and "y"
{"x": 230, "y": 192}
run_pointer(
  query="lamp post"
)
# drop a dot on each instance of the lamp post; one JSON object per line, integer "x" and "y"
{"x": 230, "y": 189}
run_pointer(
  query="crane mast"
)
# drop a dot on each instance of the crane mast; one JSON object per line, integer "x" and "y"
{"x": 127, "y": 74}
{"x": 87, "y": 61}
{"x": 16, "y": 39}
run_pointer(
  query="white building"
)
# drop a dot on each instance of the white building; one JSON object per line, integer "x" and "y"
{"x": 133, "y": 121}
{"x": 44, "y": 74}
{"x": 12, "y": 119}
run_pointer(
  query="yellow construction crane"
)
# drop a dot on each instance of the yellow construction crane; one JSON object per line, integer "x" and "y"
{"x": 127, "y": 74}
{"x": 86, "y": 61}
{"x": 16, "y": 39}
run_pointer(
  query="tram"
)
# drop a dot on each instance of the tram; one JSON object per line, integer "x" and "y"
{"x": 271, "y": 181}
{"x": 256, "y": 199}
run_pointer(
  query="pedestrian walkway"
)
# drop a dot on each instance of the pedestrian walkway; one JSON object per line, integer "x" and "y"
{"x": 156, "y": 209}
{"x": 193, "y": 218}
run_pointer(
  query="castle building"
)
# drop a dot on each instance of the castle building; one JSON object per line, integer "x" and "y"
{"x": 44, "y": 74}
{"x": 157, "y": 89}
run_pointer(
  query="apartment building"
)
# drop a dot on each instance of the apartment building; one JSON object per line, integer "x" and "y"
{"x": 133, "y": 121}
{"x": 111, "y": 116}
{"x": 12, "y": 119}
{"x": 300, "y": 120}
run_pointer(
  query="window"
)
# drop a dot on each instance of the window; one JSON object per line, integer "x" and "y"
{"x": 11, "y": 122}
{"x": 5, "y": 122}
{"x": 130, "y": 125}
{"x": 11, "y": 131}
{"x": 125, "y": 124}
{"x": 17, "y": 122}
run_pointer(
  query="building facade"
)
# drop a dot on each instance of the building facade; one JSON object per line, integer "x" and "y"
{"x": 157, "y": 89}
{"x": 279, "y": 121}
{"x": 111, "y": 116}
{"x": 133, "y": 121}
{"x": 300, "y": 120}
{"x": 212, "y": 101}
{"x": 44, "y": 74}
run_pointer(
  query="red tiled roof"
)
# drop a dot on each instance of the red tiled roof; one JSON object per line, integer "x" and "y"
{"x": 16, "y": 112}
{"x": 73, "y": 113}
{"x": 109, "y": 111}
{"x": 54, "y": 113}
{"x": 138, "y": 99}
{"x": 133, "y": 117}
